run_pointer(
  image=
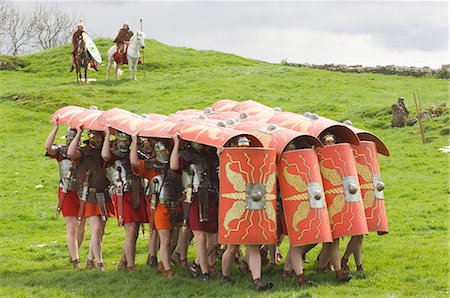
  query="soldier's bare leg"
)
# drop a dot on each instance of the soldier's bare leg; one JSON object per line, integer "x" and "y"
{"x": 272, "y": 248}
{"x": 201, "y": 254}
{"x": 228, "y": 259}
{"x": 254, "y": 260}
{"x": 254, "y": 263}
{"x": 183, "y": 244}
{"x": 97, "y": 230}
{"x": 153, "y": 246}
{"x": 81, "y": 231}
{"x": 164, "y": 236}
{"x": 173, "y": 240}
{"x": 131, "y": 234}
{"x": 288, "y": 264}
{"x": 211, "y": 244}
{"x": 297, "y": 263}
{"x": 72, "y": 242}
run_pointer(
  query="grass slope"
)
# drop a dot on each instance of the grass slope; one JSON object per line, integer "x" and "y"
{"x": 412, "y": 260}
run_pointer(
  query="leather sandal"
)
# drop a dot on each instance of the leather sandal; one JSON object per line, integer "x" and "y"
{"x": 206, "y": 276}
{"x": 168, "y": 273}
{"x": 101, "y": 267}
{"x": 122, "y": 265}
{"x": 226, "y": 279}
{"x": 183, "y": 263}
{"x": 75, "y": 263}
{"x": 152, "y": 261}
{"x": 90, "y": 264}
{"x": 262, "y": 285}
{"x": 194, "y": 269}
{"x": 243, "y": 267}
{"x": 160, "y": 267}
{"x": 303, "y": 281}
{"x": 343, "y": 277}
{"x": 175, "y": 258}
{"x": 286, "y": 274}
{"x": 344, "y": 265}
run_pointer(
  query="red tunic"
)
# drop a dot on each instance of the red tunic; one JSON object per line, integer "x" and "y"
{"x": 71, "y": 202}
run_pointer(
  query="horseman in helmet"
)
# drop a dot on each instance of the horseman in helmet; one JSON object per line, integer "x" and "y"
{"x": 76, "y": 37}
{"x": 122, "y": 39}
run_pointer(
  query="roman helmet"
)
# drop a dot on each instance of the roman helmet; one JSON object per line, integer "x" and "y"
{"x": 329, "y": 139}
{"x": 123, "y": 141}
{"x": 162, "y": 151}
{"x": 95, "y": 139}
{"x": 243, "y": 142}
{"x": 80, "y": 23}
{"x": 198, "y": 147}
{"x": 70, "y": 135}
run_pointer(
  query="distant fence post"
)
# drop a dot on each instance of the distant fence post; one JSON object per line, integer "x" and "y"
{"x": 418, "y": 109}
{"x": 143, "y": 51}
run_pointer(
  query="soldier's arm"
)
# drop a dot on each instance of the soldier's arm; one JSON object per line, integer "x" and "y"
{"x": 134, "y": 160}
{"x": 49, "y": 147}
{"x": 106, "y": 149}
{"x": 175, "y": 155}
{"x": 72, "y": 151}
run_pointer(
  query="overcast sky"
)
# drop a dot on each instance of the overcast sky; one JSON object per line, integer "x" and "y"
{"x": 412, "y": 33}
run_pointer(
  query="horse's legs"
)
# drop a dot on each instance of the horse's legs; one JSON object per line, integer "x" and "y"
{"x": 116, "y": 69}
{"x": 130, "y": 68}
{"x": 107, "y": 68}
{"x": 135, "y": 68}
{"x": 85, "y": 73}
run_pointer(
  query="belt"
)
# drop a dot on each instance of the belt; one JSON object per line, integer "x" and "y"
{"x": 92, "y": 189}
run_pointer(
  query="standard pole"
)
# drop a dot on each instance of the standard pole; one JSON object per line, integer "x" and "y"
{"x": 422, "y": 129}
{"x": 143, "y": 52}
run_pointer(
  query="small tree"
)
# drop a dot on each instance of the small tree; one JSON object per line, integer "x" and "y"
{"x": 51, "y": 26}
{"x": 17, "y": 31}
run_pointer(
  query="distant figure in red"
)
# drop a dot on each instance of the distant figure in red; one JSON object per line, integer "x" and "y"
{"x": 75, "y": 40}
{"x": 122, "y": 39}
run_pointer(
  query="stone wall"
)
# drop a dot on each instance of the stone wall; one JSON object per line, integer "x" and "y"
{"x": 443, "y": 72}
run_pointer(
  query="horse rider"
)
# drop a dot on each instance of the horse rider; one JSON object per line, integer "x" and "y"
{"x": 75, "y": 40}
{"x": 122, "y": 39}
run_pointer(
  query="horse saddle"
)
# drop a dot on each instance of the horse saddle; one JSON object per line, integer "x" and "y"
{"x": 124, "y": 59}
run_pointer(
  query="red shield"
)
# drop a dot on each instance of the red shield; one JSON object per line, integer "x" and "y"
{"x": 153, "y": 116}
{"x": 371, "y": 186}
{"x": 88, "y": 119}
{"x": 255, "y": 110}
{"x": 342, "y": 190}
{"x": 315, "y": 125}
{"x": 121, "y": 120}
{"x": 368, "y": 136}
{"x": 201, "y": 131}
{"x": 272, "y": 136}
{"x": 247, "y": 206}
{"x": 156, "y": 129}
{"x": 223, "y": 105}
{"x": 303, "y": 198}
{"x": 64, "y": 115}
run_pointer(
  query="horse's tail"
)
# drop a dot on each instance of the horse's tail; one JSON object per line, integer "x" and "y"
{"x": 119, "y": 71}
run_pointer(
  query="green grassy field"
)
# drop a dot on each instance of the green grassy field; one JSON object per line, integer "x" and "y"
{"x": 412, "y": 260}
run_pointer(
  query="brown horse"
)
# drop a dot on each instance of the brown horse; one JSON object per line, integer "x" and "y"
{"x": 82, "y": 59}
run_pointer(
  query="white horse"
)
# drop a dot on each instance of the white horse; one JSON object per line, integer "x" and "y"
{"x": 136, "y": 43}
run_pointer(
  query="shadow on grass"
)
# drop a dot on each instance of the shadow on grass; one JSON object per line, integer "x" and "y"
{"x": 57, "y": 280}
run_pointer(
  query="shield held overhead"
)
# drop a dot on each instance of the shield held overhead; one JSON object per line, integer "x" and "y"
{"x": 304, "y": 205}
{"x": 247, "y": 206}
